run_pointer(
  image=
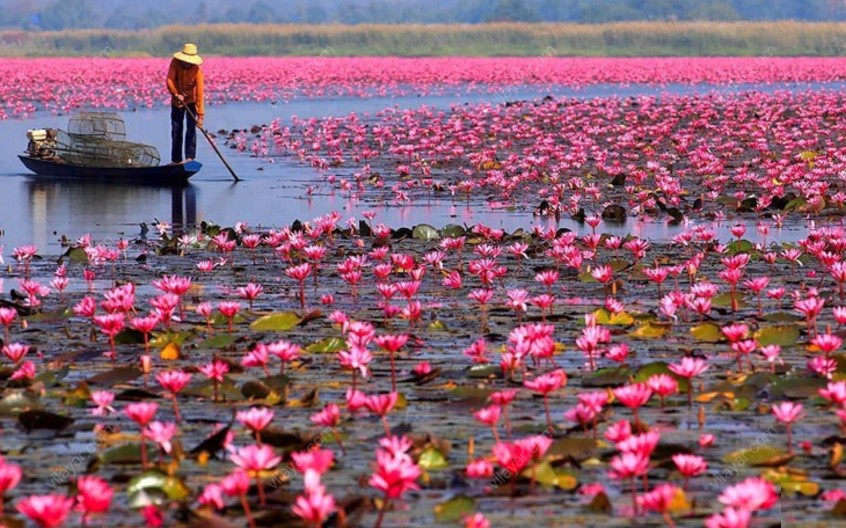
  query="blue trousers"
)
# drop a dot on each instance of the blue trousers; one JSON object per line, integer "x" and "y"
{"x": 182, "y": 122}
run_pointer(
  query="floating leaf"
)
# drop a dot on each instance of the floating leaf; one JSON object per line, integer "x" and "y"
{"x": 278, "y": 322}
{"x": 659, "y": 367}
{"x": 679, "y": 504}
{"x": 484, "y": 371}
{"x": 600, "y": 504}
{"x": 115, "y": 376}
{"x": 129, "y": 336}
{"x": 545, "y": 474}
{"x": 425, "y": 232}
{"x": 740, "y": 246}
{"x": 218, "y": 342}
{"x": 604, "y": 317}
{"x": 781, "y": 317}
{"x": 607, "y": 377}
{"x": 431, "y": 458}
{"x": 784, "y": 336}
{"x": 454, "y": 510}
{"x": 36, "y": 419}
{"x": 330, "y": 345}
{"x": 171, "y": 352}
{"x": 76, "y": 255}
{"x": 650, "y": 330}
{"x": 707, "y": 332}
{"x": 172, "y": 487}
{"x": 122, "y": 454}
{"x": 758, "y": 456}
{"x": 453, "y": 231}
{"x": 792, "y": 481}
{"x": 575, "y": 448}
{"x": 55, "y": 316}
{"x": 724, "y": 300}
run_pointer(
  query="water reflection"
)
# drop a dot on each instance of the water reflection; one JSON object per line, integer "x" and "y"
{"x": 62, "y": 207}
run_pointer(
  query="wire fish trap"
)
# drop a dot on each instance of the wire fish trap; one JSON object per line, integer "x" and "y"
{"x": 94, "y": 152}
{"x": 102, "y": 125}
{"x": 97, "y": 139}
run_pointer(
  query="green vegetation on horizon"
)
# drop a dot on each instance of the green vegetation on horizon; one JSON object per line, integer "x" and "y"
{"x": 501, "y": 39}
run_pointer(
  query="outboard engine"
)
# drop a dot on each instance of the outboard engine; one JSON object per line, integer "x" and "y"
{"x": 42, "y": 142}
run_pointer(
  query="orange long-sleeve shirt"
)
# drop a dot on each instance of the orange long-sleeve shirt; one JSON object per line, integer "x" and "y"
{"x": 188, "y": 82}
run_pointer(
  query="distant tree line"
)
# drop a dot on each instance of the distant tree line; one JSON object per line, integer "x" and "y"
{"x": 127, "y": 14}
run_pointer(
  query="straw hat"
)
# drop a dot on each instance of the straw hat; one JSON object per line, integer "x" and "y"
{"x": 189, "y": 54}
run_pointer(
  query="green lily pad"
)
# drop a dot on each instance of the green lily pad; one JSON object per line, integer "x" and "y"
{"x": 784, "y": 336}
{"x": 484, "y": 371}
{"x": 122, "y": 454}
{"x": 217, "y": 342}
{"x": 572, "y": 447}
{"x": 425, "y": 232}
{"x": 171, "y": 487}
{"x": 707, "y": 333}
{"x": 607, "y": 377}
{"x": 659, "y": 367}
{"x": 453, "y": 231}
{"x": 330, "y": 345}
{"x": 650, "y": 331}
{"x": 724, "y": 300}
{"x": 546, "y": 475}
{"x": 758, "y": 456}
{"x": 740, "y": 246}
{"x": 454, "y": 510}
{"x": 432, "y": 459}
{"x": 604, "y": 317}
{"x": 278, "y": 322}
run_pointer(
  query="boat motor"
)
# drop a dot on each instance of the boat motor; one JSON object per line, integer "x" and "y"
{"x": 42, "y": 142}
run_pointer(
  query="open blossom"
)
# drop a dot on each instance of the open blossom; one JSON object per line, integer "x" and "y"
{"x": 48, "y": 511}
{"x": 396, "y": 473}
{"x": 94, "y": 495}
{"x": 103, "y": 400}
{"x": 479, "y": 469}
{"x": 161, "y": 433}
{"x": 255, "y": 458}
{"x": 752, "y": 494}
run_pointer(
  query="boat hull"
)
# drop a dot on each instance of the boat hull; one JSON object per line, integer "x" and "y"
{"x": 159, "y": 175}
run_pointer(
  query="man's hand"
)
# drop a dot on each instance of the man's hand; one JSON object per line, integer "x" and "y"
{"x": 180, "y": 98}
{"x": 200, "y": 121}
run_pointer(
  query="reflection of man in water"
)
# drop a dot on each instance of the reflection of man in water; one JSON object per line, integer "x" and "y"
{"x": 185, "y": 84}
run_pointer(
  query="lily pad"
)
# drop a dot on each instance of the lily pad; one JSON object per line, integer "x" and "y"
{"x": 115, "y": 376}
{"x": 278, "y": 322}
{"x": 604, "y": 317}
{"x": 425, "y": 232}
{"x": 650, "y": 330}
{"x": 784, "y": 336}
{"x": 217, "y": 342}
{"x": 707, "y": 333}
{"x": 454, "y": 510}
{"x": 330, "y": 345}
{"x": 453, "y": 230}
{"x": 724, "y": 300}
{"x": 432, "y": 459}
{"x": 758, "y": 456}
{"x": 36, "y": 419}
{"x": 607, "y": 377}
{"x": 546, "y": 475}
{"x": 171, "y": 487}
{"x": 122, "y": 454}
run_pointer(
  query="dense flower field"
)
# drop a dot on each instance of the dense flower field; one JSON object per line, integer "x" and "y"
{"x": 62, "y": 85}
{"x": 674, "y": 156}
{"x": 342, "y": 372}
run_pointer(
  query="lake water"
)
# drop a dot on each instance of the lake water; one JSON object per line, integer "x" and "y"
{"x": 37, "y": 211}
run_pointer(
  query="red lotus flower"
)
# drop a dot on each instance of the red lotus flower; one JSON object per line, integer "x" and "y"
{"x": 49, "y": 511}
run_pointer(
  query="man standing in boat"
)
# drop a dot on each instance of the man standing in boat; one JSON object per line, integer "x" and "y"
{"x": 185, "y": 84}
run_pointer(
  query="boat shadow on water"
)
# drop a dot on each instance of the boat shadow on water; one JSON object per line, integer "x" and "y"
{"x": 58, "y": 201}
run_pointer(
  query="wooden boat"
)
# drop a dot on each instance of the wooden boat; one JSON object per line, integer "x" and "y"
{"x": 157, "y": 175}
